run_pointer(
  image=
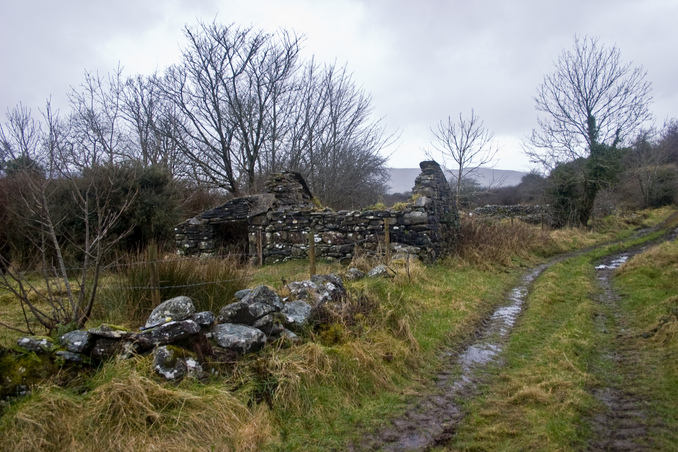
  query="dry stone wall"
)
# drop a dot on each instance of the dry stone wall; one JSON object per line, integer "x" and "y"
{"x": 280, "y": 231}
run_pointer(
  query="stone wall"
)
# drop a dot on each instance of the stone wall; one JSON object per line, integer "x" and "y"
{"x": 280, "y": 232}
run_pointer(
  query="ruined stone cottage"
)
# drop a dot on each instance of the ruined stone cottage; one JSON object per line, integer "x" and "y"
{"x": 274, "y": 226}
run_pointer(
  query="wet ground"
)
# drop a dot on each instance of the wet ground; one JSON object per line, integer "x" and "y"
{"x": 623, "y": 425}
{"x": 434, "y": 417}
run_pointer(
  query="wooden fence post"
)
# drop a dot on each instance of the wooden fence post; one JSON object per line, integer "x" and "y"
{"x": 155, "y": 277}
{"x": 260, "y": 247}
{"x": 387, "y": 240}
{"x": 311, "y": 253}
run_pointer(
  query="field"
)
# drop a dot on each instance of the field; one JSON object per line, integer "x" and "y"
{"x": 381, "y": 352}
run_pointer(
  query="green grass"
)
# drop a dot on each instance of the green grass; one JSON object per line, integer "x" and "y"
{"x": 649, "y": 284}
{"x": 538, "y": 400}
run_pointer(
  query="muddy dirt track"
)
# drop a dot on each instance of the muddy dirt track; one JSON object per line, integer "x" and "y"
{"x": 433, "y": 418}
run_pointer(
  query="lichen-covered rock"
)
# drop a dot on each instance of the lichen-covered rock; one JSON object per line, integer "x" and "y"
{"x": 205, "y": 318}
{"x": 296, "y": 314}
{"x": 77, "y": 341}
{"x": 265, "y": 324}
{"x": 239, "y": 338}
{"x": 71, "y": 357}
{"x": 332, "y": 284}
{"x": 175, "y": 364}
{"x": 380, "y": 271}
{"x": 37, "y": 344}
{"x": 304, "y": 290}
{"x": 353, "y": 274}
{"x": 109, "y": 332}
{"x": 290, "y": 336}
{"x": 167, "y": 333}
{"x": 319, "y": 289}
{"x": 263, "y": 294}
{"x": 175, "y": 309}
{"x": 257, "y": 304}
{"x": 239, "y": 295}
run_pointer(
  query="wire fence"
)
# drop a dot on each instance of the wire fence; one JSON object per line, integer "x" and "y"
{"x": 56, "y": 272}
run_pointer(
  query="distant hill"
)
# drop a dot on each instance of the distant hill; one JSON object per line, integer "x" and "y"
{"x": 402, "y": 179}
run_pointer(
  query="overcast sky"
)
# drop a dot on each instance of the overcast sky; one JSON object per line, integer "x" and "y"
{"x": 421, "y": 61}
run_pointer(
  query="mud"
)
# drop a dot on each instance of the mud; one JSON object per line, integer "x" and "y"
{"x": 434, "y": 417}
{"x": 623, "y": 425}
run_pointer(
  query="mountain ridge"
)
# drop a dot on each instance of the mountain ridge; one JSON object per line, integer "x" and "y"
{"x": 402, "y": 179}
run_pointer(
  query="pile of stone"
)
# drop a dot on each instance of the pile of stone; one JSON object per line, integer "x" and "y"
{"x": 174, "y": 328}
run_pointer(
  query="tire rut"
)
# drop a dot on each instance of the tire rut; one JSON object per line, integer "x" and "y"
{"x": 624, "y": 425}
{"x": 433, "y": 418}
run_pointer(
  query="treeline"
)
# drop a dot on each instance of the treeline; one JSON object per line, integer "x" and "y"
{"x": 241, "y": 104}
{"x": 645, "y": 175}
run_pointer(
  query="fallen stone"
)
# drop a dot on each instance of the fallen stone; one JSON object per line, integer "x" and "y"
{"x": 169, "y": 332}
{"x": 296, "y": 314}
{"x": 205, "y": 318}
{"x": 353, "y": 274}
{"x": 380, "y": 271}
{"x": 175, "y": 364}
{"x": 77, "y": 341}
{"x": 109, "y": 332}
{"x": 37, "y": 344}
{"x": 174, "y": 309}
{"x": 239, "y": 338}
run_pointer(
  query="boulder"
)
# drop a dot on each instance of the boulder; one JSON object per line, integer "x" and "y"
{"x": 205, "y": 318}
{"x": 296, "y": 314}
{"x": 37, "y": 344}
{"x": 174, "y": 364}
{"x": 239, "y": 338}
{"x": 77, "y": 341}
{"x": 259, "y": 303}
{"x": 353, "y": 274}
{"x": 178, "y": 308}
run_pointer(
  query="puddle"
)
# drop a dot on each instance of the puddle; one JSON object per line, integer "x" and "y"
{"x": 615, "y": 263}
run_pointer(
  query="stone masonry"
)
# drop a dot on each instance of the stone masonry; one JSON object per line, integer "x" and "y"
{"x": 278, "y": 222}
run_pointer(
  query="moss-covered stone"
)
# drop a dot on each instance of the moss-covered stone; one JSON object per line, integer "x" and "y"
{"x": 21, "y": 370}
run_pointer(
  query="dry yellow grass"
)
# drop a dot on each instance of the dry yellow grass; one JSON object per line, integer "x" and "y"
{"x": 128, "y": 410}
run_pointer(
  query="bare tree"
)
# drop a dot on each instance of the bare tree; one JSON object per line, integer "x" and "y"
{"x": 334, "y": 142}
{"x": 98, "y": 132}
{"x": 588, "y": 106}
{"x": 228, "y": 90}
{"x": 45, "y": 203}
{"x": 465, "y": 142}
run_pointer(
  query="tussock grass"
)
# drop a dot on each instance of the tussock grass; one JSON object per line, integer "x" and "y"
{"x": 209, "y": 282}
{"x": 126, "y": 409}
{"x": 484, "y": 243}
